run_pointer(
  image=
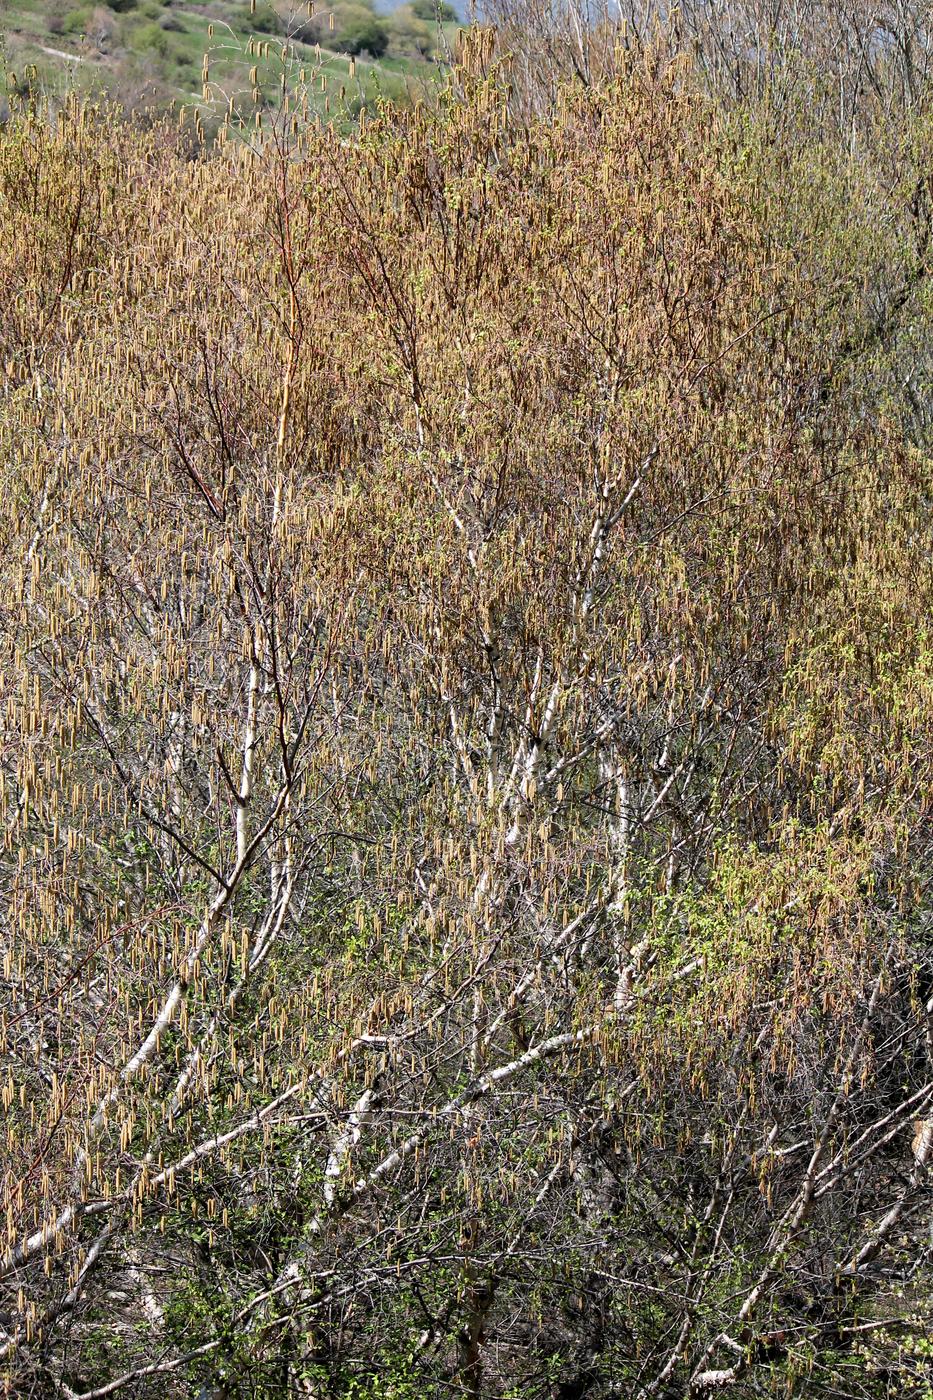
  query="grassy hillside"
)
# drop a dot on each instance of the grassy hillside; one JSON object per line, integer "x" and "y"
{"x": 150, "y": 54}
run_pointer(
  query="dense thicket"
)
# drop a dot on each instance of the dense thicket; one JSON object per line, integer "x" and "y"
{"x": 465, "y": 764}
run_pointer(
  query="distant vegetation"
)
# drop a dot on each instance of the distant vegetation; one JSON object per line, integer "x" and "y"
{"x": 466, "y": 714}
{"x": 149, "y": 54}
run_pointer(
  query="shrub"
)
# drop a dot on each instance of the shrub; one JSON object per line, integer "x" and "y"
{"x": 327, "y": 26}
{"x": 466, "y": 767}
{"x": 359, "y": 30}
{"x": 100, "y": 28}
{"x": 152, "y": 38}
{"x": 431, "y": 12}
{"x": 408, "y": 34}
{"x": 265, "y": 21}
{"x": 76, "y": 21}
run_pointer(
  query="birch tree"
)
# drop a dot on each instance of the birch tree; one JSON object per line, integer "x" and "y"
{"x": 465, "y": 753}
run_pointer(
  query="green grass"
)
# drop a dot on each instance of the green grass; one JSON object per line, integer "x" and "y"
{"x": 150, "y": 56}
